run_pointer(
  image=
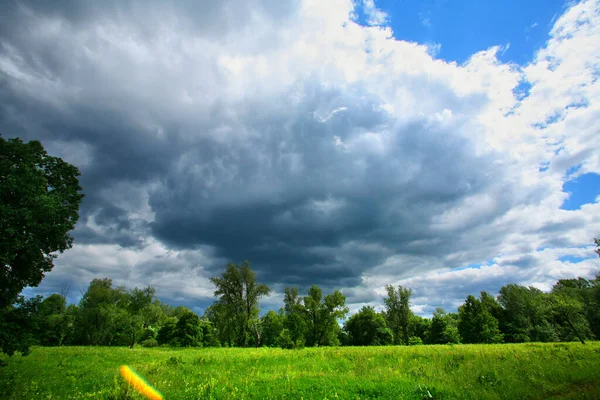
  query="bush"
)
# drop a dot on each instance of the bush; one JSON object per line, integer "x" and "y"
{"x": 285, "y": 340}
{"x": 415, "y": 341}
{"x": 149, "y": 343}
{"x": 148, "y": 333}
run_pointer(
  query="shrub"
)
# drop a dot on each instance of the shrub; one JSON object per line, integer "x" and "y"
{"x": 415, "y": 341}
{"x": 149, "y": 343}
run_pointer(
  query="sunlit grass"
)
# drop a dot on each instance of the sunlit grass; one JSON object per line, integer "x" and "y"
{"x": 527, "y": 371}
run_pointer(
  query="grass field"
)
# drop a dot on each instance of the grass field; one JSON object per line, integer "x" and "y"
{"x": 526, "y": 371}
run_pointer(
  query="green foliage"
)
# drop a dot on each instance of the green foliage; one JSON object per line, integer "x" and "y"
{"x": 321, "y": 315}
{"x": 526, "y": 315}
{"x": 415, "y": 341}
{"x": 443, "y": 328}
{"x": 39, "y": 206}
{"x": 367, "y": 328}
{"x": 398, "y": 312}
{"x": 51, "y": 321}
{"x": 17, "y": 325}
{"x": 476, "y": 323}
{"x": 149, "y": 343}
{"x": 188, "y": 331}
{"x": 167, "y": 333}
{"x": 294, "y": 319}
{"x": 272, "y": 325}
{"x": 238, "y": 294}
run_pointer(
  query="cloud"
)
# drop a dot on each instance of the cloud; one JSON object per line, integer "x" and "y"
{"x": 375, "y": 16}
{"x": 320, "y": 150}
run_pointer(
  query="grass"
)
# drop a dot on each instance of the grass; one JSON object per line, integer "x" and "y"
{"x": 524, "y": 371}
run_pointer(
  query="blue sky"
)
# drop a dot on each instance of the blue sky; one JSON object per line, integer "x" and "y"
{"x": 464, "y": 27}
{"x": 583, "y": 190}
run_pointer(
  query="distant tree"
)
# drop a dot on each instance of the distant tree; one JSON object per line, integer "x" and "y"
{"x": 17, "y": 326}
{"x": 209, "y": 334}
{"x": 526, "y": 315}
{"x": 443, "y": 328}
{"x": 597, "y": 242}
{"x": 272, "y": 325}
{"x": 153, "y": 315}
{"x": 102, "y": 314}
{"x": 51, "y": 321}
{"x": 476, "y": 323}
{"x": 188, "y": 330}
{"x": 223, "y": 321}
{"x": 238, "y": 293}
{"x": 39, "y": 206}
{"x": 167, "y": 333}
{"x": 567, "y": 302}
{"x": 592, "y": 307}
{"x": 322, "y": 314}
{"x": 367, "y": 328}
{"x": 419, "y": 327}
{"x": 398, "y": 312}
{"x": 294, "y": 316}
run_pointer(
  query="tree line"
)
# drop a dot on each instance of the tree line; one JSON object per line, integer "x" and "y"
{"x": 115, "y": 316}
{"x": 40, "y": 198}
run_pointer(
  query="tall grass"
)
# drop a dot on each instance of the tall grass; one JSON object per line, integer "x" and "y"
{"x": 525, "y": 371}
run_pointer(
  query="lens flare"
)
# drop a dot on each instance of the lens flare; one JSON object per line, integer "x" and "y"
{"x": 139, "y": 383}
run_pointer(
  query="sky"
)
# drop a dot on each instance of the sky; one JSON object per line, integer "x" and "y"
{"x": 441, "y": 145}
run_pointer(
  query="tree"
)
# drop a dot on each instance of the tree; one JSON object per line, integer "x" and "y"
{"x": 321, "y": 315}
{"x": 294, "y": 316}
{"x": 102, "y": 313}
{"x": 526, "y": 315}
{"x": 418, "y": 328}
{"x": 398, "y": 312}
{"x": 567, "y": 303}
{"x": 51, "y": 321}
{"x": 238, "y": 293}
{"x": 272, "y": 325}
{"x": 188, "y": 330}
{"x": 443, "y": 328}
{"x": 476, "y": 323}
{"x": 39, "y": 206}
{"x": 17, "y": 325}
{"x": 167, "y": 333}
{"x": 367, "y": 328}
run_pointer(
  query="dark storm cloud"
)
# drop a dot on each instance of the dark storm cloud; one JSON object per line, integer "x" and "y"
{"x": 266, "y": 212}
{"x": 272, "y": 196}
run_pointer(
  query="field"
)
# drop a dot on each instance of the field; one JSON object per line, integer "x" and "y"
{"x": 526, "y": 371}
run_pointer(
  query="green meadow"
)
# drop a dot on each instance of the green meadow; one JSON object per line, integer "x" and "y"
{"x": 520, "y": 371}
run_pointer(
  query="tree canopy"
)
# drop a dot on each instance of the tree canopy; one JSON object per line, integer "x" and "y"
{"x": 39, "y": 207}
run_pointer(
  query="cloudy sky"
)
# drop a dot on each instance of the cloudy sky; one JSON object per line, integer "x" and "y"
{"x": 444, "y": 145}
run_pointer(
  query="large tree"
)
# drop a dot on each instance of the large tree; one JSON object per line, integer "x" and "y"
{"x": 367, "y": 328}
{"x": 526, "y": 315}
{"x": 443, "y": 329}
{"x": 39, "y": 207}
{"x": 322, "y": 314}
{"x": 294, "y": 316}
{"x": 567, "y": 302}
{"x": 476, "y": 323}
{"x": 398, "y": 312}
{"x": 238, "y": 294}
